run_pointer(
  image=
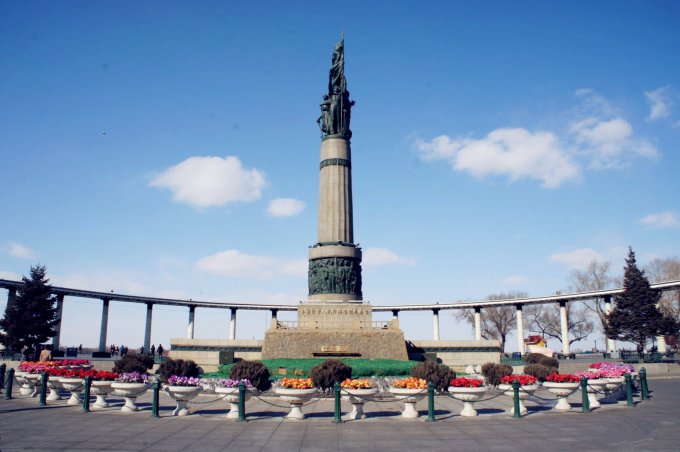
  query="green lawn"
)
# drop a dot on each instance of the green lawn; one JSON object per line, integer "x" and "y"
{"x": 301, "y": 367}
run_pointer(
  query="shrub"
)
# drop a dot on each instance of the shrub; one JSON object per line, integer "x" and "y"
{"x": 539, "y": 371}
{"x": 329, "y": 372}
{"x": 439, "y": 374}
{"x": 133, "y": 363}
{"x": 533, "y": 358}
{"x": 256, "y": 372}
{"x": 494, "y": 372}
{"x": 549, "y": 362}
{"x": 178, "y": 367}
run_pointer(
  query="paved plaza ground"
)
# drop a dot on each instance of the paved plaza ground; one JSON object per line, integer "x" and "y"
{"x": 652, "y": 425}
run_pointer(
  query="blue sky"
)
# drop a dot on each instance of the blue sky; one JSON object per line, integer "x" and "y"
{"x": 171, "y": 149}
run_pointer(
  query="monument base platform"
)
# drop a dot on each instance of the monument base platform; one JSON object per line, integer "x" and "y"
{"x": 305, "y": 343}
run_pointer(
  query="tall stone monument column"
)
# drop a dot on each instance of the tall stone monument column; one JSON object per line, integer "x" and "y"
{"x": 335, "y": 261}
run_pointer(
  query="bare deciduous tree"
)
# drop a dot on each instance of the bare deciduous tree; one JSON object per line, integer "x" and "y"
{"x": 497, "y": 321}
{"x": 596, "y": 277}
{"x": 666, "y": 269}
{"x": 545, "y": 320}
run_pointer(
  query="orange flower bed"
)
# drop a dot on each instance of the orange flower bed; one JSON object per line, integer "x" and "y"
{"x": 410, "y": 383}
{"x": 297, "y": 383}
{"x": 363, "y": 383}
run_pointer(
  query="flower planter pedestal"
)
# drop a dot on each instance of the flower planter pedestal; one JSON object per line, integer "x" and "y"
{"x": 561, "y": 391}
{"x": 73, "y": 385}
{"x": 595, "y": 387}
{"x": 232, "y": 397}
{"x": 357, "y": 397}
{"x": 182, "y": 395}
{"x": 410, "y": 411}
{"x": 612, "y": 388}
{"x": 467, "y": 396}
{"x": 296, "y": 398}
{"x": 101, "y": 388}
{"x": 54, "y": 385}
{"x": 524, "y": 392}
{"x": 130, "y": 392}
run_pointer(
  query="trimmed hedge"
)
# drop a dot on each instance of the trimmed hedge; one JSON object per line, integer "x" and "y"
{"x": 179, "y": 367}
{"x": 133, "y": 363}
{"x": 494, "y": 372}
{"x": 439, "y": 374}
{"x": 255, "y": 371}
{"x": 329, "y": 372}
{"x": 360, "y": 367}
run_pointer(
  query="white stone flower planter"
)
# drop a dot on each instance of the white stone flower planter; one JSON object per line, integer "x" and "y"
{"x": 74, "y": 386}
{"x": 182, "y": 395}
{"x": 468, "y": 396}
{"x": 524, "y": 392}
{"x": 296, "y": 398}
{"x": 357, "y": 397}
{"x": 130, "y": 392}
{"x": 596, "y": 387}
{"x": 54, "y": 385}
{"x": 232, "y": 397}
{"x": 101, "y": 388}
{"x": 561, "y": 391}
{"x": 409, "y": 397}
{"x": 33, "y": 382}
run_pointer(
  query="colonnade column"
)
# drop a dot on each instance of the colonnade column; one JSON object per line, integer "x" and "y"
{"x": 611, "y": 343}
{"x": 520, "y": 329}
{"x": 11, "y": 297}
{"x": 57, "y": 326}
{"x": 478, "y": 323}
{"x": 190, "y": 332}
{"x": 104, "y": 324}
{"x": 232, "y": 324}
{"x": 564, "y": 324}
{"x": 435, "y": 319}
{"x": 147, "y": 331}
{"x": 273, "y": 323}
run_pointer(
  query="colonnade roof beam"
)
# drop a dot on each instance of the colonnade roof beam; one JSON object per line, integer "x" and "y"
{"x": 112, "y": 296}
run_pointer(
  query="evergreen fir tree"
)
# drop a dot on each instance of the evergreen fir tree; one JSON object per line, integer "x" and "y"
{"x": 635, "y": 317}
{"x": 31, "y": 319}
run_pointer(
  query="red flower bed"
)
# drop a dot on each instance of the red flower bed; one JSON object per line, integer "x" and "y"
{"x": 523, "y": 379}
{"x": 563, "y": 378}
{"x": 80, "y": 373}
{"x": 463, "y": 382}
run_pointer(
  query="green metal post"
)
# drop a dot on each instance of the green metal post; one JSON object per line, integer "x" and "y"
{"x": 43, "y": 389}
{"x": 629, "y": 389}
{"x": 515, "y": 399}
{"x": 336, "y": 394}
{"x": 3, "y": 369}
{"x": 241, "y": 402}
{"x": 10, "y": 382}
{"x": 430, "y": 402}
{"x": 643, "y": 383}
{"x": 86, "y": 394}
{"x": 585, "y": 403}
{"x": 156, "y": 388}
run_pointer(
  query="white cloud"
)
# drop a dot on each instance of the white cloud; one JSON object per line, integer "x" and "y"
{"x": 515, "y": 153}
{"x": 661, "y": 220}
{"x": 514, "y": 280}
{"x": 376, "y": 257}
{"x": 20, "y": 251}
{"x": 660, "y": 103}
{"x": 211, "y": 181}
{"x": 285, "y": 207}
{"x": 577, "y": 259}
{"x": 10, "y": 275}
{"x": 235, "y": 264}
{"x": 606, "y": 142}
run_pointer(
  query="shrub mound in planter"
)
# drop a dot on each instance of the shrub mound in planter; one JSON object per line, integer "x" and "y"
{"x": 256, "y": 372}
{"x": 539, "y": 371}
{"x": 494, "y": 372}
{"x": 533, "y": 358}
{"x": 179, "y": 367}
{"x": 133, "y": 363}
{"x": 549, "y": 362}
{"x": 439, "y": 374}
{"x": 329, "y": 372}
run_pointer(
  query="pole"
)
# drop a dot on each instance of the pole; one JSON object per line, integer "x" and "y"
{"x": 430, "y": 402}
{"x": 156, "y": 387}
{"x": 86, "y": 394}
{"x": 336, "y": 393}
{"x": 3, "y": 369}
{"x": 10, "y": 382}
{"x": 43, "y": 389}
{"x": 643, "y": 383}
{"x": 241, "y": 402}
{"x": 515, "y": 399}
{"x": 585, "y": 403}
{"x": 629, "y": 389}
